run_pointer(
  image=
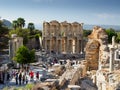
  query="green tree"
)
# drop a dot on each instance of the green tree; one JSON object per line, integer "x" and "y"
{"x": 31, "y": 26}
{"x": 26, "y": 33}
{"x": 0, "y": 23}
{"x": 24, "y": 55}
{"x": 110, "y": 32}
{"x": 21, "y": 22}
{"x": 3, "y": 36}
{"x": 21, "y": 33}
{"x": 3, "y": 30}
{"x": 38, "y": 32}
{"x": 15, "y": 24}
{"x": 118, "y": 37}
{"x": 86, "y": 33}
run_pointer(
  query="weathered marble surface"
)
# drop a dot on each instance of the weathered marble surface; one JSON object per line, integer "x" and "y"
{"x": 96, "y": 48}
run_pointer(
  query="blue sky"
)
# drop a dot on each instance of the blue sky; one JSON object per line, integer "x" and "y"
{"x": 83, "y": 11}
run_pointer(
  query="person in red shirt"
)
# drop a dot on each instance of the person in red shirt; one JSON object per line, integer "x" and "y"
{"x": 31, "y": 75}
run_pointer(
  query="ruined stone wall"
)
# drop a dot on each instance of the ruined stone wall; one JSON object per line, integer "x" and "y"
{"x": 96, "y": 48}
{"x": 108, "y": 81}
{"x": 15, "y": 42}
{"x": 92, "y": 54}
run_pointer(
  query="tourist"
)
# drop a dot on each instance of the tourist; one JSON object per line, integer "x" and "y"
{"x": 31, "y": 75}
{"x": 23, "y": 78}
{"x": 37, "y": 75}
{"x": 16, "y": 78}
{"x": 26, "y": 78}
{"x": 20, "y": 78}
{"x": 8, "y": 76}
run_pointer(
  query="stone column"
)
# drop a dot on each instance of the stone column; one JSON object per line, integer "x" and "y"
{"x": 81, "y": 51}
{"x": 67, "y": 45}
{"x": 45, "y": 44}
{"x": 58, "y": 43}
{"x": 57, "y": 48}
{"x": 113, "y": 41}
{"x": 111, "y": 59}
{"x": 73, "y": 46}
{"x": 70, "y": 46}
{"x": 61, "y": 46}
{"x": 10, "y": 50}
{"x": 81, "y": 47}
{"x": 50, "y": 45}
{"x": 78, "y": 46}
{"x": 100, "y": 65}
{"x": 99, "y": 62}
{"x": 41, "y": 43}
{"x": 118, "y": 58}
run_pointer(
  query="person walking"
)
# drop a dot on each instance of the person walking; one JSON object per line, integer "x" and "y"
{"x": 23, "y": 78}
{"x": 26, "y": 78}
{"x": 8, "y": 76}
{"x": 20, "y": 78}
{"x": 16, "y": 78}
{"x": 37, "y": 75}
{"x": 31, "y": 75}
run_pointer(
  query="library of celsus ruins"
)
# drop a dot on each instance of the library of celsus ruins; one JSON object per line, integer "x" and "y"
{"x": 62, "y": 37}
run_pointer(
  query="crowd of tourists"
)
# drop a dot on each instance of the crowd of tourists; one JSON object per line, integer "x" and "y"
{"x": 20, "y": 76}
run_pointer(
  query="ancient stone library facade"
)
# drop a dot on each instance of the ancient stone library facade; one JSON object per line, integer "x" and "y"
{"x": 62, "y": 37}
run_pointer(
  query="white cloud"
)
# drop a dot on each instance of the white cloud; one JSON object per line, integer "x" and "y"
{"x": 106, "y": 15}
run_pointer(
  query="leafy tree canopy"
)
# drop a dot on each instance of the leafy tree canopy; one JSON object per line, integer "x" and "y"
{"x": 3, "y": 30}
{"x": 31, "y": 26}
{"x": 110, "y": 32}
{"x": 19, "y": 23}
{"x": 3, "y": 36}
{"x": 86, "y": 33}
{"x": 15, "y": 24}
{"x": 21, "y": 33}
{"x": 118, "y": 37}
{"x": 24, "y": 55}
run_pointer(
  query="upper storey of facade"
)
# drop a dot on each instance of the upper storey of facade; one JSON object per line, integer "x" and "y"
{"x": 63, "y": 29}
